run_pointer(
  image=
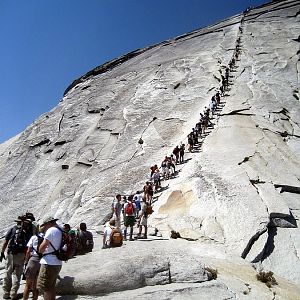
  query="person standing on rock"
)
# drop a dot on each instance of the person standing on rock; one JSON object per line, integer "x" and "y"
{"x": 156, "y": 181}
{"x": 190, "y": 143}
{"x": 176, "y": 153}
{"x": 32, "y": 263}
{"x": 129, "y": 219}
{"x": 181, "y": 153}
{"x": 50, "y": 264}
{"x": 15, "y": 241}
{"x": 117, "y": 210}
{"x": 148, "y": 191}
{"x": 143, "y": 220}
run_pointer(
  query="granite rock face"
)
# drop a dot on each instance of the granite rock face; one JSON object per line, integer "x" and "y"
{"x": 239, "y": 193}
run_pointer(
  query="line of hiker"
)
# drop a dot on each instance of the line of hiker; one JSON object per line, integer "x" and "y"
{"x": 135, "y": 209}
{"x": 36, "y": 252}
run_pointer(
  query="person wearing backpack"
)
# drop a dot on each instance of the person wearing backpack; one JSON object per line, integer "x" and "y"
{"x": 112, "y": 236}
{"x": 50, "y": 264}
{"x": 15, "y": 242}
{"x": 129, "y": 217}
{"x": 32, "y": 265}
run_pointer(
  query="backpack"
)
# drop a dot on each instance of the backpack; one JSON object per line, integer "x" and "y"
{"x": 129, "y": 209}
{"x": 18, "y": 241}
{"x": 65, "y": 250}
{"x": 40, "y": 240}
{"x": 149, "y": 210}
{"x": 116, "y": 238}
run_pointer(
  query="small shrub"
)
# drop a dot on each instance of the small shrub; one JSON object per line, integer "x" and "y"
{"x": 267, "y": 278}
{"x": 213, "y": 272}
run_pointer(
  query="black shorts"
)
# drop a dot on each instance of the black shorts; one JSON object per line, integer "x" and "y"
{"x": 129, "y": 221}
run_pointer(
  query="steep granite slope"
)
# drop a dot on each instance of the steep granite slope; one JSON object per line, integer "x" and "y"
{"x": 238, "y": 196}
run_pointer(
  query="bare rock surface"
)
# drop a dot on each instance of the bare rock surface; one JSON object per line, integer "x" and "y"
{"x": 237, "y": 196}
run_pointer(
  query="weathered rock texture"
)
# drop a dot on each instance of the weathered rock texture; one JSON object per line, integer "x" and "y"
{"x": 239, "y": 193}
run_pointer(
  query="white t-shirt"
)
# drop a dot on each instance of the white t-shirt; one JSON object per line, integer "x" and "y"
{"x": 54, "y": 236}
{"x": 33, "y": 245}
{"x": 107, "y": 233}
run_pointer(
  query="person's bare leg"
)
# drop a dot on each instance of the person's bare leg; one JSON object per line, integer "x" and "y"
{"x": 49, "y": 295}
{"x": 26, "y": 289}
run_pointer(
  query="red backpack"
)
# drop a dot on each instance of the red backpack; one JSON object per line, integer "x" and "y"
{"x": 129, "y": 209}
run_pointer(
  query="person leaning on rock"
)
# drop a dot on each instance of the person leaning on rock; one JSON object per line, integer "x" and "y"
{"x": 50, "y": 264}
{"x": 15, "y": 241}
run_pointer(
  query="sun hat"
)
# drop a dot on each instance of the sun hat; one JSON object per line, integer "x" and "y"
{"x": 48, "y": 220}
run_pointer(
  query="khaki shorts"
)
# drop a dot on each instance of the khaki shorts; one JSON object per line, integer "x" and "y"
{"x": 47, "y": 277}
{"x": 33, "y": 267}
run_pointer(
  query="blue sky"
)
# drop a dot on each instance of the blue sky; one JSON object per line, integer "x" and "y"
{"x": 46, "y": 44}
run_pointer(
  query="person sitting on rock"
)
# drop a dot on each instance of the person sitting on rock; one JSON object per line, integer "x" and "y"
{"x": 85, "y": 241}
{"x": 73, "y": 238}
{"x": 112, "y": 236}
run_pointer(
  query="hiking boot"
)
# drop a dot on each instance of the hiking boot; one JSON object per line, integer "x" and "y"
{"x": 131, "y": 239}
{"x": 16, "y": 296}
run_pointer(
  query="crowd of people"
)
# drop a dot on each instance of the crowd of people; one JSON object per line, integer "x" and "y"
{"x": 31, "y": 251}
